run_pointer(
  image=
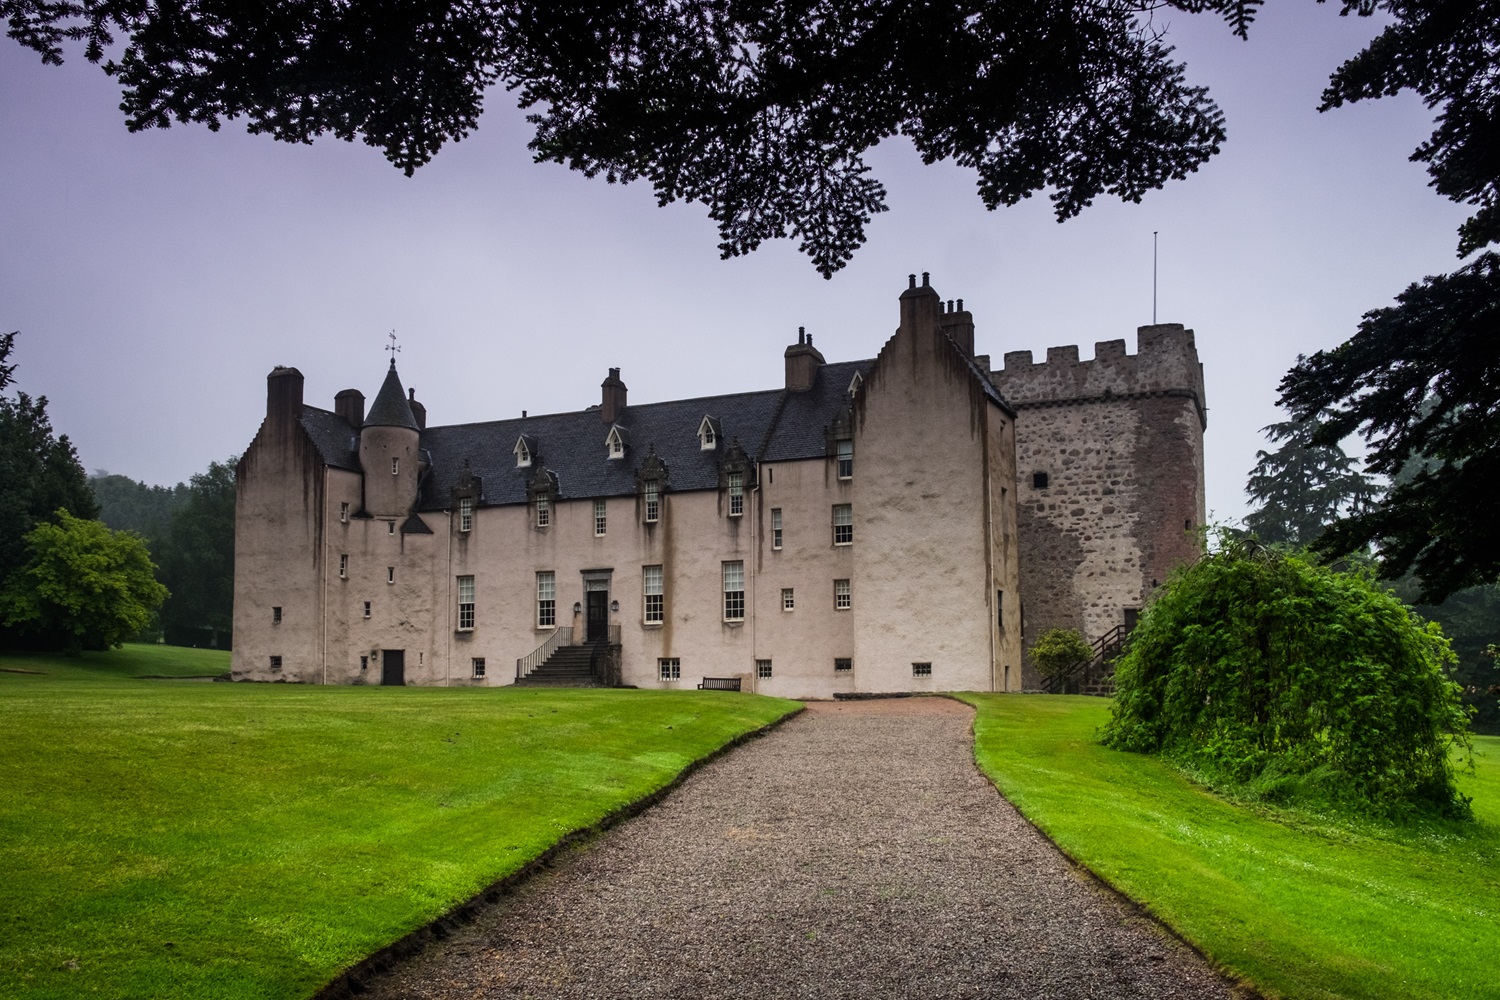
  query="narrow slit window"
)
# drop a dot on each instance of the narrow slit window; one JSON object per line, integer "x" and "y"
{"x": 367, "y": 609}
{"x": 275, "y": 616}
{"x": 343, "y": 565}
{"x": 395, "y": 466}
{"x": 390, "y": 527}
{"x": 601, "y": 521}
{"x": 390, "y": 574}
{"x": 344, "y": 512}
{"x": 775, "y": 527}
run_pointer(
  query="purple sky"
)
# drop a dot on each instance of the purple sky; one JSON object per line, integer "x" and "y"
{"x": 156, "y": 278}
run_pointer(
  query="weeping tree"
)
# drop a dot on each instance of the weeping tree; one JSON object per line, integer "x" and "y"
{"x": 1272, "y": 677}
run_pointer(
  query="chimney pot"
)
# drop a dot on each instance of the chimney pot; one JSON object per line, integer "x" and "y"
{"x": 911, "y": 281}
{"x": 924, "y": 279}
{"x": 960, "y": 305}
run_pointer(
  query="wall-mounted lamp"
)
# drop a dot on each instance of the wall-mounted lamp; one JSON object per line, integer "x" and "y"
{"x": 577, "y": 607}
{"x": 614, "y": 605}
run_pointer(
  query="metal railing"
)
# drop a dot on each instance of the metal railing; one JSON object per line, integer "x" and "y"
{"x": 1107, "y": 647}
{"x": 563, "y": 636}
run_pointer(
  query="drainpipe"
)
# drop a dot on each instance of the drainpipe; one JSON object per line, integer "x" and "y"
{"x": 323, "y": 544}
{"x": 750, "y": 582}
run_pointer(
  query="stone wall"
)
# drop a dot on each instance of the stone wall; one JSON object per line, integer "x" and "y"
{"x": 1119, "y": 440}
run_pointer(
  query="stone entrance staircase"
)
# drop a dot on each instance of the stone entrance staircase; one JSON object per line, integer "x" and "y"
{"x": 569, "y": 666}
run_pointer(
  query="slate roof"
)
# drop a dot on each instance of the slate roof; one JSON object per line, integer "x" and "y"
{"x": 390, "y": 408}
{"x": 336, "y": 441}
{"x": 770, "y": 426}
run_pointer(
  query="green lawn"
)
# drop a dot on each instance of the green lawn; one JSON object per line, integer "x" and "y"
{"x": 1298, "y": 907}
{"x": 188, "y": 839}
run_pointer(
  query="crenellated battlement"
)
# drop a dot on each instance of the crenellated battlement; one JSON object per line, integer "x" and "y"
{"x": 1166, "y": 364}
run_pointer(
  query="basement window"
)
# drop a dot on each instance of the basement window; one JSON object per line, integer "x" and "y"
{"x": 669, "y": 668}
{"x": 763, "y": 668}
{"x": 1039, "y": 480}
{"x": 275, "y": 663}
{"x": 921, "y": 670}
{"x": 364, "y": 663}
{"x": 478, "y": 663}
{"x": 842, "y": 664}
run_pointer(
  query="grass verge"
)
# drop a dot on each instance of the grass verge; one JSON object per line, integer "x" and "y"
{"x": 252, "y": 841}
{"x": 1298, "y": 906}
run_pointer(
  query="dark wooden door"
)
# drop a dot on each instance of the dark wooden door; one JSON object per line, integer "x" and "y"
{"x": 393, "y": 667}
{"x": 598, "y": 615}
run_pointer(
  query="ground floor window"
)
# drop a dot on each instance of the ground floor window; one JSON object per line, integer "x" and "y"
{"x": 921, "y": 670}
{"x": 655, "y": 610}
{"x": 275, "y": 663}
{"x": 670, "y": 668}
{"x": 763, "y": 668}
{"x": 478, "y": 663}
{"x": 466, "y": 604}
{"x": 842, "y": 664}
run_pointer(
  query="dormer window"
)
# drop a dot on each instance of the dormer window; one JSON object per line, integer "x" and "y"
{"x": 708, "y": 434}
{"x": 614, "y": 444}
{"x": 855, "y": 382}
{"x": 523, "y": 452}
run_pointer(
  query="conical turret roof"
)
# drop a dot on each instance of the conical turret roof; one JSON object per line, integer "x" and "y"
{"x": 390, "y": 408}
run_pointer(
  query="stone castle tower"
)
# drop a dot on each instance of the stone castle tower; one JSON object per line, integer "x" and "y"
{"x": 1109, "y": 476}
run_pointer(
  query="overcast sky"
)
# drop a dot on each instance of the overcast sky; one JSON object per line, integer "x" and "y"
{"x": 156, "y": 278}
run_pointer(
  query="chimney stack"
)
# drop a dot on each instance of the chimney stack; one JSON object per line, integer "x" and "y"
{"x": 417, "y": 409}
{"x": 802, "y": 363}
{"x": 613, "y": 403}
{"x": 284, "y": 395}
{"x": 958, "y": 323}
{"x": 350, "y": 404}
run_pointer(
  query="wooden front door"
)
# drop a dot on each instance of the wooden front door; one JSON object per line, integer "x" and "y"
{"x": 598, "y": 615}
{"x": 393, "y": 667}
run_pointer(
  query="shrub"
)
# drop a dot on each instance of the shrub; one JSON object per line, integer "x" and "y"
{"x": 1274, "y": 677}
{"x": 1057, "y": 649}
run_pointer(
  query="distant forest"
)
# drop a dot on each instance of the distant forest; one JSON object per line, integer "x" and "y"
{"x": 189, "y": 529}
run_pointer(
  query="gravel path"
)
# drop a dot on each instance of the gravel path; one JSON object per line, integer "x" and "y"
{"x": 854, "y": 852}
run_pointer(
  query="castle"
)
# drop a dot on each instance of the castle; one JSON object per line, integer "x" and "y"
{"x": 904, "y": 523}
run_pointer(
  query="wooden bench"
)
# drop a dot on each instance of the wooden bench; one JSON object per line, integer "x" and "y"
{"x": 719, "y": 684}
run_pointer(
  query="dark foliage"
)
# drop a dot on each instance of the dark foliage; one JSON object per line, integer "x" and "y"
{"x": 1303, "y": 486}
{"x": 1272, "y": 677}
{"x": 197, "y": 561}
{"x": 761, "y": 111}
{"x": 39, "y": 471}
{"x": 1422, "y": 381}
{"x": 126, "y": 505}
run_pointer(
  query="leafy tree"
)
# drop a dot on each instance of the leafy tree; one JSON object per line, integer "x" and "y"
{"x": 1274, "y": 677}
{"x": 761, "y": 111}
{"x": 39, "y": 472}
{"x": 1057, "y": 649}
{"x": 82, "y": 584}
{"x": 1303, "y": 486}
{"x": 198, "y": 560}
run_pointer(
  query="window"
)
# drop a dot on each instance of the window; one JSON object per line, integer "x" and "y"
{"x": 546, "y": 600}
{"x": 842, "y": 664}
{"x": 843, "y": 524}
{"x": 653, "y": 502}
{"x": 788, "y": 600}
{"x": 367, "y": 609}
{"x": 275, "y": 616}
{"x": 478, "y": 664}
{"x": 921, "y": 670}
{"x": 343, "y": 565}
{"x": 275, "y": 663}
{"x": 775, "y": 527}
{"x": 395, "y": 466}
{"x": 522, "y": 453}
{"x": 465, "y": 603}
{"x": 1039, "y": 480}
{"x": 614, "y": 444}
{"x": 543, "y": 510}
{"x": 670, "y": 668}
{"x": 600, "y": 520}
{"x": 655, "y": 608}
{"x": 841, "y": 597}
{"x": 846, "y": 459}
{"x": 466, "y": 514}
{"x": 344, "y": 512}
{"x": 390, "y": 574}
{"x": 390, "y": 527}
{"x": 736, "y": 494}
{"x": 364, "y": 663}
{"x": 734, "y": 591}
{"x": 1000, "y": 609}
{"x": 763, "y": 668}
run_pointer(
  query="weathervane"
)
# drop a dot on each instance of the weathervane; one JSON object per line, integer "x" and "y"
{"x": 392, "y": 346}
